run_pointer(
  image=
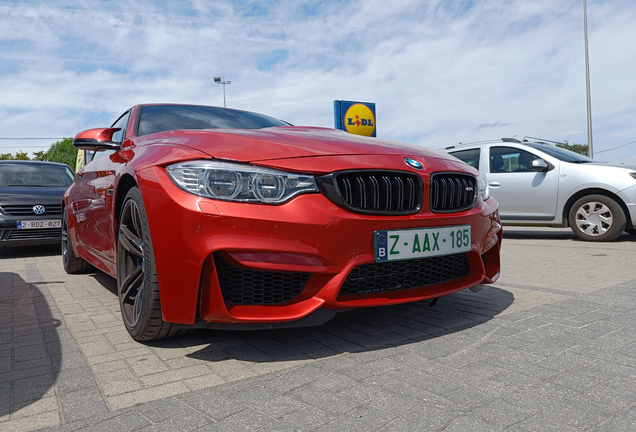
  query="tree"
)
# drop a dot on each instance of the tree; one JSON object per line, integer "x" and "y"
{"x": 40, "y": 156}
{"x": 576, "y": 148}
{"x": 63, "y": 152}
{"x": 21, "y": 156}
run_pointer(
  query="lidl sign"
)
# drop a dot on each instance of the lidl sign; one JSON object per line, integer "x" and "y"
{"x": 355, "y": 117}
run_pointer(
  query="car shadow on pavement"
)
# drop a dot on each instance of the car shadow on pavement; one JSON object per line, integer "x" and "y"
{"x": 355, "y": 331}
{"x": 555, "y": 234}
{"x": 108, "y": 282}
{"x": 30, "y": 251}
{"x": 30, "y": 348}
{"x": 360, "y": 330}
{"x": 542, "y": 234}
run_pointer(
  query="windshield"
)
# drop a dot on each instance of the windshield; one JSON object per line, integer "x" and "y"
{"x": 560, "y": 153}
{"x": 34, "y": 175}
{"x": 161, "y": 118}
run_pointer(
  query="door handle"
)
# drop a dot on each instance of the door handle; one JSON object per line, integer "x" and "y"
{"x": 494, "y": 184}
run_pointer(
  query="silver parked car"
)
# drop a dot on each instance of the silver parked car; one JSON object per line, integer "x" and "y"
{"x": 539, "y": 184}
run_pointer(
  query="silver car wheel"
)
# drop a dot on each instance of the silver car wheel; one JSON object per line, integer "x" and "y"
{"x": 594, "y": 218}
{"x": 597, "y": 217}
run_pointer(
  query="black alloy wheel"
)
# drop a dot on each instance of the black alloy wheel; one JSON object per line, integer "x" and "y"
{"x": 130, "y": 264}
{"x": 137, "y": 284}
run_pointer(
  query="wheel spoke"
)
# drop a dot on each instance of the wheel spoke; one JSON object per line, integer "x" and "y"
{"x": 130, "y": 241}
{"x": 583, "y": 212}
{"x": 590, "y": 230}
{"x": 585, "y": 227}
{"x": 137, "y": 307}
{"x": 602, "y": 210}
{"x": 134, "y": 215}
{"x": 130, "y": 285}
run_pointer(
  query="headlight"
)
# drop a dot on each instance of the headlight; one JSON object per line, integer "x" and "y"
{"x": 232, "y": 181}
{"x": 633, "y": 175}
{"x": 482, "y": 185}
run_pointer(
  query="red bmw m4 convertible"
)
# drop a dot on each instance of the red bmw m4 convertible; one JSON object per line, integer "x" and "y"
{"x": 219, "y": 218}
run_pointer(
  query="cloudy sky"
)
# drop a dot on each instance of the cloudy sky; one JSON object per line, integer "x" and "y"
{"x": 439, "y": 71}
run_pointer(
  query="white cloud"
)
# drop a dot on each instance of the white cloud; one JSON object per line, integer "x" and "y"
{"x": 439, "y": 71}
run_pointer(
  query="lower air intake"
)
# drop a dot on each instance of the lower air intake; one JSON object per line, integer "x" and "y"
{"x": 402, "y": 275}
{"x": 241, "y": 286}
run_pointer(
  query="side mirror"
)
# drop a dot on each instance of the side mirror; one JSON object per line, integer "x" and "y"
{"x": 96, "y": 139}
{"x": 541, "y": 165}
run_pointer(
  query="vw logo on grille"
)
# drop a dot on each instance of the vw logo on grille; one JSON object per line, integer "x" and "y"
{"x": 39, "y": 209}
{"x": 413, "y": 163}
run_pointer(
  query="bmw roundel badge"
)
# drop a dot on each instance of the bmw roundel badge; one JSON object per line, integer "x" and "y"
{"x": 413, "y": 163}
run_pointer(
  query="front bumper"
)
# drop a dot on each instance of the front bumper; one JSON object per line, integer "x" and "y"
{"x": 308, "y": 235}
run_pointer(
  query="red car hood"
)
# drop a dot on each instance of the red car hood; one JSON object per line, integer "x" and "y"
{"x": 256, "y": 145}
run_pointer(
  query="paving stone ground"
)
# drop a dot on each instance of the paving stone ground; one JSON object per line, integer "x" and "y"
{"x": 550, "y": 347}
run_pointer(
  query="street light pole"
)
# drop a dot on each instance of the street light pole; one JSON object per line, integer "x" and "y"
{"x": 590, "y": 152}
{"x": 218, "y": 80}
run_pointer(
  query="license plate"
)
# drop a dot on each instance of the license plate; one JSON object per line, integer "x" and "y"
{"x": 394, "y": 245}
{"x": 39, "y": 224}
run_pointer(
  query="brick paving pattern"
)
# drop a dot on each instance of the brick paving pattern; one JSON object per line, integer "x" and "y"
{"x": 550, "y": 347}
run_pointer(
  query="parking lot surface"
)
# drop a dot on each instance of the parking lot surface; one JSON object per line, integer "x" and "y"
{"x": 550, "y": 347}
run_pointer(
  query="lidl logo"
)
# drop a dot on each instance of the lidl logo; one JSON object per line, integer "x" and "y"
{"x": 355, "y": 117}
{"x": 359, "y": 120}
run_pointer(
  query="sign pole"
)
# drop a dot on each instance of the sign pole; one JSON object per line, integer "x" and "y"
{"x": 590, "y": 152}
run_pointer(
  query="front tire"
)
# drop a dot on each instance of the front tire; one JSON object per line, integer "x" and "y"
{"x": 71, "y": 263}
{"x": 597, "y": 218}
{"x": 137, "y": 284}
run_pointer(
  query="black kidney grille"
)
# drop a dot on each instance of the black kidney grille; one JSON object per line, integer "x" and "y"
{"x": 451, "y": 192}
{"x": 380, "y": 191}
{"x": 27, "y": 210}
{"x": 402, "y": 275}
{"x": 241, "y": 286}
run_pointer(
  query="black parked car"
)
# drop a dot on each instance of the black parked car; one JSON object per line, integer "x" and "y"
{"x": 31, "y": 201}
